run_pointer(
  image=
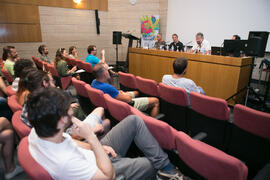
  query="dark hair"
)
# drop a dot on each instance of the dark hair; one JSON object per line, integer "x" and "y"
{"x": 22, "y": 87}
{"x": 237, "y": 37}
{"x": 71, "y": 49}
{"x": 21, "y": 64}
{"x": 90, "y": 48}
{"x": 41, "y": 48}
{"x": 45, "y": 108}
{"x": 59, "y": 56}
{"x": 179, "y": 65}
{"x": 199, "y": 34}
{"x": 34, "y": 80}
{"x": 98, "y": 70}
{"x": 6, "y": 51}
{"x": 175, "y": 35}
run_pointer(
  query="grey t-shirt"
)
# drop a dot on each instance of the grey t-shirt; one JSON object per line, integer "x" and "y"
{"x": 184, "y": 83}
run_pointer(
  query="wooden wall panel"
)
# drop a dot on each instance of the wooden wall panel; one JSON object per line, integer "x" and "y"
{"x": 20, "y": 33}
{"x": 18, "y": 13}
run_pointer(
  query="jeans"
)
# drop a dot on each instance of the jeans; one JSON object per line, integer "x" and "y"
{"x": 4, "y": 109}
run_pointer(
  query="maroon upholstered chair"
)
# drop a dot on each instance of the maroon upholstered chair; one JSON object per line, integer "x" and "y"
{"x": 7, "y": 75}
{"x": 87, "y": 67}
{"x": 127, "y": 81}
{"x": 10, "y": 91}
{"x": 80, "y": 87}
{"x": 39, "y": 63}
{"x": 250, "y": 138}
{"x": 13, "y": 103}
{"x": 21, "y": 129}
{"x": 207, "y": 161}
{"x": 147, "y": 87}
{"x": 96, "y": 96}
{"x": 174, "y": 104}
{"x": 55, "y": 75}
{"x": 30, "y": 166}
{"x": 209, "y": 115}
{"x": 118, "y": 109}
{"x": 65, "y": 82}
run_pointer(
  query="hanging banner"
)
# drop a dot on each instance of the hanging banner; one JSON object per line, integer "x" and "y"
{"x": 149, "y": 30}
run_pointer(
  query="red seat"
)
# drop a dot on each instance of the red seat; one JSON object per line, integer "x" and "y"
{"x": 1, "y": 63}
{"x": 53, "y": 70}
{"x": 208, "y": 161}
{"x": 209, "y": 115}
{"x": 174, "y": 104}
{"x": 10, "y": 91}
{"x": 87, "y": 67}
{"x": 96, "y": 96}
{"x": 80, "y": 87}
{"x": 31, "y": 167}
{"x": 7, "y": 75}
{"x": 118, "y": 109}
{"x": 147, "y": 86}
{"x": 13, "y": 103}
{"x": 21, "y": 129}
{"x": 79, "y": 64}
{"x": 65, "y": 82}
{"x": 250, "y": 138}
{"x": 39, "y": 63}
{"x": 127, "y": 81}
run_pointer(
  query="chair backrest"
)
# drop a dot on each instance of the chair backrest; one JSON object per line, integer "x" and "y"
{"x": 127, "y": 80}
{"x": 208, "y": 161}
{"x": 46, "y": 66}
{"x": 10, "y": 91}
{"x": 118, "y": 109}
{"x": 87, "y": 67}
{"x": 53, "y": 70}
{"x": 147, "y": 86}
{"x": 80, "y": 87}
{"x": 71, "y": 61}
{"x": 162, "y": 132}
{"x": 21, "y": 129}
{"x": 79, "y": 64}
{"x": 96, "y": 96}
{"x": 174, "y": 104}
{"x": 253, "y": 121}
{"x": 65, "y": 82}
{"x": 13, "y": 103}
{"x": 38, "y": 62}
{"x": 1, "y": 63}
{"x": 7, "y": 75}
{"x": 30, "y": 166}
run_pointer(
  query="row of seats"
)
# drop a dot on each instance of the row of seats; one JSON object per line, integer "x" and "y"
{"x": 247, "y": 138}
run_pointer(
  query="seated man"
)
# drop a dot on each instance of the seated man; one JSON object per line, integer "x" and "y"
{"x": 202, "y": 46}
{"x": 102, "y": 83}
{"x": 176, "y": 45}
{"x": 59, "y": 154}
{"x": 159, "y": 44}
{"x": 178, "y": 79}
{"x": 92, "y": 57}
{"x": 43, "y": 51}
{"x": 10, "y": 56}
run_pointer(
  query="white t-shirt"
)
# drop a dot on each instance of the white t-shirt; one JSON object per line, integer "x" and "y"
{"x": 184, "y": 83}
{"x": 205, "y": 46}
{"x": 64, "y": 160}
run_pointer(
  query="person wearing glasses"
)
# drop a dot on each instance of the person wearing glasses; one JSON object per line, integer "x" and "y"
{"x": 92, "y": 55}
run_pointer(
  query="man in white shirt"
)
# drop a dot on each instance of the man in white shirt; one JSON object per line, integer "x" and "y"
{"x": 64, "y": 158}
{"x": 178, "y": 79}
{"x": 201, "y": 46}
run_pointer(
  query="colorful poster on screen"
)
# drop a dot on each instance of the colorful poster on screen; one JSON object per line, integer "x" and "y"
{"x": 149, "y": 30}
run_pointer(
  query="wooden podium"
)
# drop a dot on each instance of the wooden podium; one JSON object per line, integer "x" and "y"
{"x": 219, "y": 76}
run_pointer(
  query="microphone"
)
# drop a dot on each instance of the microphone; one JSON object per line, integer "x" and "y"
{"x": 187, "y": 44}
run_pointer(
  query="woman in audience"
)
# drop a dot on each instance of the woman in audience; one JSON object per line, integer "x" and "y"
{"x": 7, "y": 142}
{"x": 73, "y": 53}
{"x": 61, "y": 64}
{"x": 39, "y": 79}
{"x": 4, "y": 108}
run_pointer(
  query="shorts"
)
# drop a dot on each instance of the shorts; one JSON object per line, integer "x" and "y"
{"x": 141, "y": 103}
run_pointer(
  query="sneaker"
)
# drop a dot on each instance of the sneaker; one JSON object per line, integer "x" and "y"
{"x": 14, "y": 173}
{"x": 174, "y": 174}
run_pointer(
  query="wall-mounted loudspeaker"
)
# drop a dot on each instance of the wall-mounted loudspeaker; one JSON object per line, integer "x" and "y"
{"x": 97, "y": 21}
{"x": 117, "y": 37}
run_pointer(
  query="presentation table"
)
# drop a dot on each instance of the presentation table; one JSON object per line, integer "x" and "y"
{"x": 219, "y": 76}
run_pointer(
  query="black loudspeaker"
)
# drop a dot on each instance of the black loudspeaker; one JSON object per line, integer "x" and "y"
{"x": 97, "y": 21}
{"x": 117, "y": 37}
{"x": 257, "y": 41}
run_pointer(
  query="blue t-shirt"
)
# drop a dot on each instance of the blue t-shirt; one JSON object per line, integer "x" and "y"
{"x": 93, "y": 60}
{"x": 105, "y": 87}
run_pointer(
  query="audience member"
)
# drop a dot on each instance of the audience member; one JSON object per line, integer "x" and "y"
{"x": 18, "y": 68}
{"x": 57, "y": 152}
{"x": 5, "y": 111}
{"x": 202, "y": 46}
{"x": 10, "y": 56}
{"x": 92, "y": 57}
{"x": 236, "y": 37}
{"x": 159, "y": 44}
{"x": 176, "y": 44}
{"x": 102, "y": 83}
{"x": 73, "y": 53}
{"x": 43, "y": 51}
{"x": 61, "y": 64}
{"x": 178, "y": 79}
{"x": 7, "y": 142}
